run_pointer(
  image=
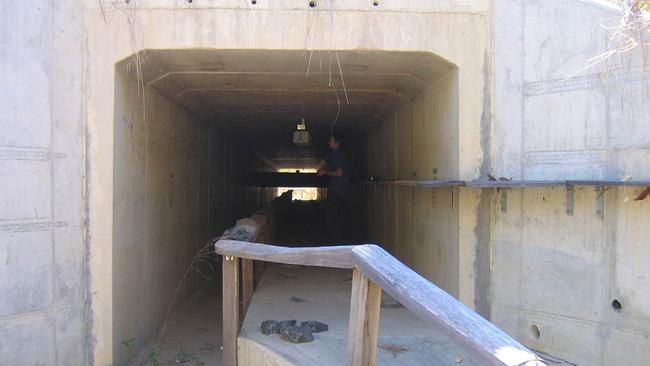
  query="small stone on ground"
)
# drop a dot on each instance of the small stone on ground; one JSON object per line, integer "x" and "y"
{"x": 315, "y": 326}
{"x": 269, "y": 327}
{"x": 297, "y": 335}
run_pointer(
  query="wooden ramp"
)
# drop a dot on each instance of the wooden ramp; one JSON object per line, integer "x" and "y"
{"x": 323, "y": 294}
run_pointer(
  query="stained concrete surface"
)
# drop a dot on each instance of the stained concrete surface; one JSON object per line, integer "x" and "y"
{"x": 194, "y": 333}
{"x": 43, "y": 273}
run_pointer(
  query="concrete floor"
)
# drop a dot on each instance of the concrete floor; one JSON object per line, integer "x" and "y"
{"x": 323, "y": 294}
{"x": 194, "y": 334}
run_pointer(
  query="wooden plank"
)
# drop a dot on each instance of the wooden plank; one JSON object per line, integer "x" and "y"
{"x": 248, "y": 284}
{"x": 439, "y": 183}
{"x": 628, "y": 183}
{"x": 230, "y": 310}
{"x": 484, "y": 183}
{"x": 514, "y": 184}
{"x": 417, "y": 183}
{"x": 553, "y": 183}
{"x": 483, "y": 339}
{"x": 363, "y": 328}
{"x": 327, "y": 256}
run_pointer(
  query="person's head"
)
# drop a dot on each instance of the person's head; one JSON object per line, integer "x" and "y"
{"x": 336, "y": 140}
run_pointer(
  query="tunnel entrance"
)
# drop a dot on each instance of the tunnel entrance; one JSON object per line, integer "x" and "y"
{"x": 191, "y": 126}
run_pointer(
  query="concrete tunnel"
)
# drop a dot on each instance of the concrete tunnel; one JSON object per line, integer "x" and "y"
{"x": 537, "y": 167}
{"x": 191, "y": 125}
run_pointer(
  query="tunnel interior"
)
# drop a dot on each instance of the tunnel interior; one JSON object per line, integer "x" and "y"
{"x": 196, "y": 129}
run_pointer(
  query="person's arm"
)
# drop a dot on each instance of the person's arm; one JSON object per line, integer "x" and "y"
{"x": 320, "y": 167}
{"x": 337, "y": 172}
{"x": 321, "y": 164}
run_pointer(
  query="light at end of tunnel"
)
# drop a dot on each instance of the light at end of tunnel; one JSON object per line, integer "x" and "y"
{"x": 299, "y": 193}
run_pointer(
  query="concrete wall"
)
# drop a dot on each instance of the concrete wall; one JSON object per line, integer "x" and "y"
{"x": 560, "y": 272}
{"x": 43, "y": 280}
{"x": 592, "y": 126}
{"x": 161, "y": 186}
{"x": 177, "y": 184}
{"x": 418, "y": 142}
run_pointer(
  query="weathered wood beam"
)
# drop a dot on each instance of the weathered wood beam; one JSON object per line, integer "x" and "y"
{"x": 231, "y": 324}
{"x": 363, "y": 328}
{"x": 326, "y": 256}
{"x": 248, "y": 284}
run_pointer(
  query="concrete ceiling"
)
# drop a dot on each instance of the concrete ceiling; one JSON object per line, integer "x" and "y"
{"x": 260, "y": 95}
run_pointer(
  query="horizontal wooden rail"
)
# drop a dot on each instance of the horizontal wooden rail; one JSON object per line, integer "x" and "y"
{"x": 416, "y": 183}
{"x": 374, "y": 267}
{"x": 328, "y": 256}
{"x": 430, "y": 303}
{"x": 485, "y": 183}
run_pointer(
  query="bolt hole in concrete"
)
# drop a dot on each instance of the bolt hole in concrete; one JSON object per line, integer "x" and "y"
{"x": 253, "y": 2}
{"x": 312, "y": 4}
{"x": 534, "y": 331}
{"x": 617, "y": 305}
{"x": 375, "y": 3}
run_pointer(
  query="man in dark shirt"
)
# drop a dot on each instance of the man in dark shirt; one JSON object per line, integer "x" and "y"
{"x": 335, "y": 166}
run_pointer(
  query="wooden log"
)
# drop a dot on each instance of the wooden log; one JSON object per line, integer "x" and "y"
{"x": 248, "y": 284}
{"x": 326, "y": 256}
{"x": 230, "y": 309}
{"x": 363, "y": 328}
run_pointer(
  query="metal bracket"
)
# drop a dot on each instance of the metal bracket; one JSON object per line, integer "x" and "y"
{"x": 504, "y": 200}
{"x": 451, "y": 191}
{"x": 228, "y": 258}
{"x": 600, "y": 201}
{"x": 569, "y": 199}
{"x": 433, "y": 198}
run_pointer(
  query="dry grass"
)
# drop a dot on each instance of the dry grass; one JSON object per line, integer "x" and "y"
{"x": 204, "y": 260}
{"x": 627, "y": 32}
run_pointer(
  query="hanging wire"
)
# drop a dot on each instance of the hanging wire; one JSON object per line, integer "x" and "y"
{"x": 338, "y": 61}
{"x": 310, "y": 39}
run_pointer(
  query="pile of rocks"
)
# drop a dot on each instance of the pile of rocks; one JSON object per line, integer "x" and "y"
{"x": 290, "y": 331}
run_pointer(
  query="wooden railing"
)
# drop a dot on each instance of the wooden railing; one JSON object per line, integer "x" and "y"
{"x": 373, "y": 270}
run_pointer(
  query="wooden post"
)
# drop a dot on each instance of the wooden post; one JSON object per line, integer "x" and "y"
{"x": 230, "y": 309}
{"x": 248, "y": 284}
{"x": 364, "y": 321}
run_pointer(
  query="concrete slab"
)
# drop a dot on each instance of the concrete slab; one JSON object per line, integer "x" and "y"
{"x": 323, "y": 294}
{"x": 25, "y": 271}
